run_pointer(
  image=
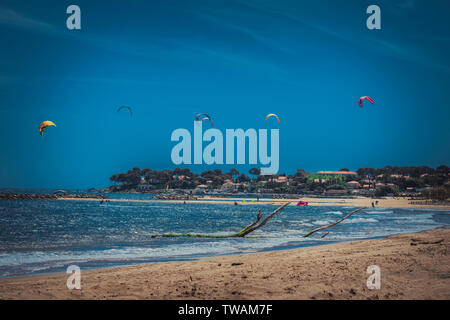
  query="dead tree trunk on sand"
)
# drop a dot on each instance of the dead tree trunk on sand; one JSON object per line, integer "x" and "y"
{"x": 333, "y": 224}
{"x": 250, "y": 228}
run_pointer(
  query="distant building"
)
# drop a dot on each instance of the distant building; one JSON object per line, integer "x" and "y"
{"x": 145, "y": 187}
{"x": 229, "y": 186}
{"x": 399, "y": 176}
{"x": 390, "y": 184}
{"x": 154, "y": 181}
{"x": 200, "y": 189}
{"x": 333, "y": 192}
{"x": 337, "y": 173}
{"x": 181, "y": 177}
{"x": 353, "y": 184}
{"x": 282, "y": 179}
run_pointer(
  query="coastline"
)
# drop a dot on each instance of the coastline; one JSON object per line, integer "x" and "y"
{"x": 387, "y": 202}
{"x": 413, "y": 266}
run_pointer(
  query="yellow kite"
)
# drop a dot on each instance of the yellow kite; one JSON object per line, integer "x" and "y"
{"x": 272, "y": 115}
{"x": 44, "y": 125}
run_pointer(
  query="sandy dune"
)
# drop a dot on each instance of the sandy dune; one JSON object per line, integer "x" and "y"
{"x": 413, "y": 266}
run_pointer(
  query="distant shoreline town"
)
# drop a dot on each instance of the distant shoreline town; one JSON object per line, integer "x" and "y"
{"x": 393, "y": 181}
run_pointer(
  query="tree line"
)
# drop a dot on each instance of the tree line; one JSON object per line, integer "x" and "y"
{"x": 395, "y": 179}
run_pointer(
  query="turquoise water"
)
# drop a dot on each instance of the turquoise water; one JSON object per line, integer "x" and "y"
{"x": 42, "y": 236}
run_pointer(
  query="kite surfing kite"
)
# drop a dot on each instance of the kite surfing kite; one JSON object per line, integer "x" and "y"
{"x": 302, "y": 204}
{"x": 206, "y": 117}
{"x": 272, "y": 115}
{"x": 125, "y": 107}
{"x": 44, "y": 125}
{"x": 360, "y": 100}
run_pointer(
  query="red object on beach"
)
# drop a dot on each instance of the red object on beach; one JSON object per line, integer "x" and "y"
{"x": 302, "y": 204}
{"x": 360, "y": 100}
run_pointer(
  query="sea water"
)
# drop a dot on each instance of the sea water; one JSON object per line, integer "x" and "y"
{"x": 40, "y": 236}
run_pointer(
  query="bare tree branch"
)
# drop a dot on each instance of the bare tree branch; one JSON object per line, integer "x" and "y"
{"x": 258, "y": 217}
{"x": 334, "y": 223}
{"x": 251, "y": 229}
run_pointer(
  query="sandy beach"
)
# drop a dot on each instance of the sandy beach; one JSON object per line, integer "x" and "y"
{"x": 387, "y": 202}
{"x": 413, "y": 266}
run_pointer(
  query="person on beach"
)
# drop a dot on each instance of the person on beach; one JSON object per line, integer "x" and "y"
{"x": 373, "y": 206}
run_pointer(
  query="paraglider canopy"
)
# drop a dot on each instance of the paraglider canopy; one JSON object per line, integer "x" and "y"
{"x": 44, "y": 125}
{"x": 360, "y": 100}
{"x": 125, "y": 107}
{"x": 272, "y": 115}
{"x": 197, "y": 117}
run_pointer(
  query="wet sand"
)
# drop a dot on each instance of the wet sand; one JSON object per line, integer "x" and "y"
{"x": 388, "y": 202}
{"x": 413, "y": 266}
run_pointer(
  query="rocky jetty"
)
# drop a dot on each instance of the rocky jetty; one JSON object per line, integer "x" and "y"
{"x": 84, "y": 196}
{"x": 38, "y": 196}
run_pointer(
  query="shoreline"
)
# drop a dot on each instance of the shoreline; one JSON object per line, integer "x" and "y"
{"x": 387, "y": 202}
{"x": 357, "y": 201}
{"x": 413, "y": 266}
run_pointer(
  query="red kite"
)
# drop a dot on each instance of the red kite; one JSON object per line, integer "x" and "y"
{"x": 360, "y": 101}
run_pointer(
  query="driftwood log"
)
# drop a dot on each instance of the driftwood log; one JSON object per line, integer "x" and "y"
{"x": 245, "y": 231}
{"x": 334, "y": 223}
{"x": 253, "y": 226}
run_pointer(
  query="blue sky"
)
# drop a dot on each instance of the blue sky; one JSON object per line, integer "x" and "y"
{"x": 307, "y": 61}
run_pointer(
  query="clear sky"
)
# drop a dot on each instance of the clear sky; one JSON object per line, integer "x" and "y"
{"x": 307, "y": 61}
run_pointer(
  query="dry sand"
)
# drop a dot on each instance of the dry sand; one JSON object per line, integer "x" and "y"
{"x": 388, "y": 202}
{"x": 413, "y": 266}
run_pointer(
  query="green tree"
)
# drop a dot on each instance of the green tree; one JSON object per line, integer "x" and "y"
{"x": 443, "y": 169}
{"x": 234, "y": 174}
